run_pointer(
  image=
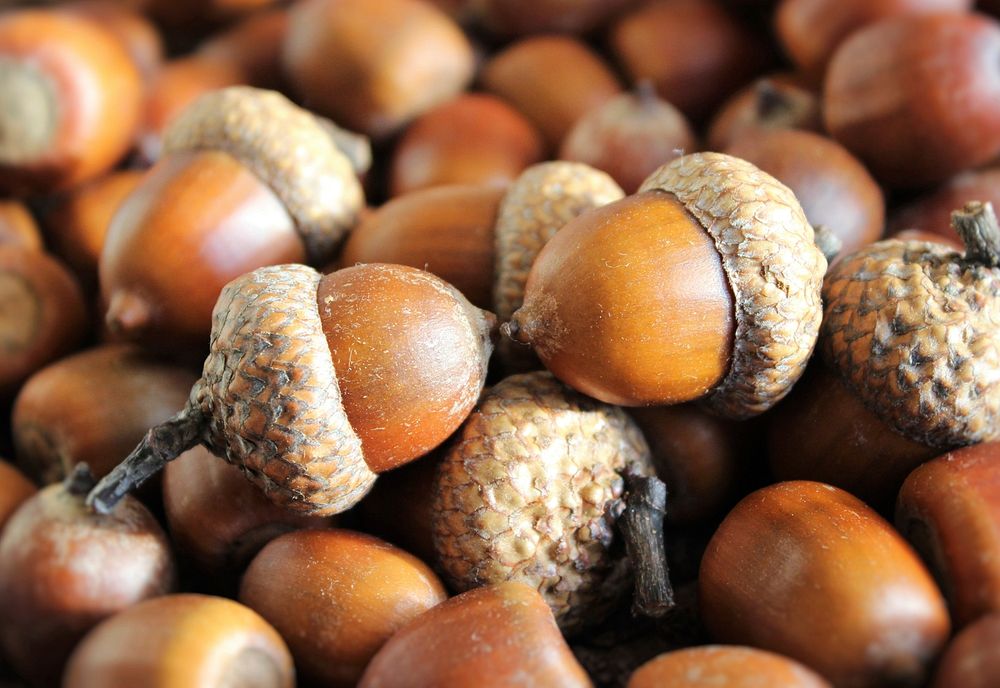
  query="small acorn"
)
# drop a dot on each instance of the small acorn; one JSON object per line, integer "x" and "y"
{"x": 530, "y": 490}
{"x": 182, "y": 641}
{"x": 932, "y": 212}
{"x": 972, "y": 660}
{"x": 724, "y": 665}
{"x": 491, "y": 637}
{"x": 778, "y": 101}
{"x": 704, "y": 285}
{"x": 315, "y": 383}
{"x": 14, "y": 490}
{"x": 248, "y": 179}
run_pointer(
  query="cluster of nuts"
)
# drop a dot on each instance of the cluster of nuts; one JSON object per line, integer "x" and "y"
{"x": 448, "y": 343}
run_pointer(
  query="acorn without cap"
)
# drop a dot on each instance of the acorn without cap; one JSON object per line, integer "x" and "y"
{"x": 314, "y": 383}
{"x": 704, "y": 285}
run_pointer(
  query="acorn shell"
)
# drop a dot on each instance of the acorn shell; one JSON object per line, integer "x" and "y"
{"x": 914, "y": 329}
{"x": 270, "y": 394}
{"x": 773, "y": 267}
{"x": 288, "y": 148}
{"x": 524, "y": 495}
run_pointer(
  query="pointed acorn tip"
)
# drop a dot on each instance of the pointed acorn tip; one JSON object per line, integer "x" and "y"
{"x": 127, "y": 312}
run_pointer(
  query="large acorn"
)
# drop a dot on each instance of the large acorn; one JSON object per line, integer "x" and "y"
{"x": 530, "y": 491}
{"x": 247, "y": 179}
{"x": 704, "y": 285}
{"x": 315, "y": 383}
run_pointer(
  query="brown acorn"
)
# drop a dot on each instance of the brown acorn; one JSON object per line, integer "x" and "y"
{"x": 932, "y": 212}
{"x": 529, "y": 492}
{"x": 137, "y": 33}
{"x": 248, "y": 179}
{"x": 724, "y": 665}
{"x": 14, "y": 490}
{"x": 912, "y": 330}
{"x": 704, "y": 285}
{"x": 779, "y": 101}
{"x": 314, "y": 383}
{"x": 520, "y": 17}
{"x": 255, "y": 45}
{"x": 972, "y": 660}
{"x": 492, "y": 637}
{"x": 182, "y": 641}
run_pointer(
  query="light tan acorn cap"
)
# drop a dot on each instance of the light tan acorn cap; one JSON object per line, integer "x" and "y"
{"x": 540, "y": 201}
{"x": 773, "y": 267}
{"x": 914, "y": 330}
{"x": 523, "y": 495}
{"x": 270, "y": 394}
{"x": 288, "y": 149}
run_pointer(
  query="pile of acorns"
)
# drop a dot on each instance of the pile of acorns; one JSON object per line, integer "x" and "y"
{"x": 487, "y": 343}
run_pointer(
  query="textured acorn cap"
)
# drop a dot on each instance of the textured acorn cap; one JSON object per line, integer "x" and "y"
{"x": 537, "y": 204}
{"x": 524, "y": 494}
{"x": 773, "y": 267}
{"x": 288, "y": 148}
{"x": 270, "y": 396}
{"x": 914, "y": 330}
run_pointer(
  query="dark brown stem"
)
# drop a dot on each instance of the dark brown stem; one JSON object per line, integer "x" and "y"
{"x": 162, "y": 444}
{"x": 976, "y": 224}
{"x": 827, "y": 242}
{"x": 79, "y": 481}
{"x": 642, "y": 528}
{"x": 770, "y": 100}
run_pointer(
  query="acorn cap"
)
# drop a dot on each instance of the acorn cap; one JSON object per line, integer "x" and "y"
{"x": 773, "y": 267}
{"x": 914, "y": 329}
{"x": 270, "y": 396}
{"x": 288, "y": 149}
{"x": 537, "y": 204}
{"x": 524, "y": 494}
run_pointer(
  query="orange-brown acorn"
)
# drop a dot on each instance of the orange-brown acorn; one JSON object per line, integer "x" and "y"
{"x": 704, "y": 285}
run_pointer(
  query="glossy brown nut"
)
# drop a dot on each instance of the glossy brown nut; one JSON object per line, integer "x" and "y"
{"x": 779, "y": 101}
{"x": 195, "y": 222}
{"x": 71, "y": 100}
{"x": 520, "y": 17}
{"x": 811, "y": 30}
{"x": 447, "y": 231}
{"x": 972, "y": 660}
{"x": 93, "y": 408}
{"x": 797, "y": 557}
{"x": 732, "y": 667}
{"x": 932, "y": 212}
{"x": 490, "y": 637}
{"x": 894, "y": 82}
{"x": 410, "y": 353}
{"x": 374, "y": 66}
{"x": 824, "y": 432}
{"x": 693, "y": 51}
{"x": 79, "y": 220}
{"x": 137, "y": 33}
{"x": 254, "y": 45}
{"x": 14, "y": 490}
{"x": 43, "y": 316}
{"x": 473, "y": 139}
{"x": 698, "y": 455}
{"x": 834, "y": 188}
{"x": 949, "y": 509}
{"x": 176, "y": 86}
{"x": 63, "y": 569}
{"x": 307, "y": 583}
{"x": 219, "y": 519}
{"x": 551, "y": 80}
{"x": 181, "y": 641}
{"x": 629, "y": 137}
{"x": 18, "y": 226}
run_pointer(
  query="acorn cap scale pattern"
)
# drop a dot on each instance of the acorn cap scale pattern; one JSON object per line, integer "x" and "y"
{"x": 773, "y": 267}
{"x": 270, "y": 394}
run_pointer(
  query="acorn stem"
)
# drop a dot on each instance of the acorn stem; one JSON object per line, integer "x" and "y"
{"x": 79, "y": 481}
{"x": 770, "y": 100}
{"x": 976, "y": 224}
{"x": 642, "y": 528}
{"x": 162, "y": 444}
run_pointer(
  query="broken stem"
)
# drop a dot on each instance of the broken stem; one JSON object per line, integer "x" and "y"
{"x": 976, "y": 224}
{"x": 642, "y": 528}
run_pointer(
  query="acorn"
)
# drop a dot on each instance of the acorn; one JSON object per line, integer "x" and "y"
{"x": 14, "y": 490}
{"x": 93, "y": 407}
{"x": 307, "y": 584}
{"x": 63, "y": 569}
{"x": 70, "y": 100}
{"x": 972, "y": 660}
{"x": 492, "y": 637}
{"x": 530, "y": 490}
{"x": 180, "y": 641}
{"x": 932, "y": 212}
{"x": 254, "y": 44}
{"x": 704, "y": 285}
{"x": 778, "y": 101}
{"x": 724, "y": 665}
{"x": 911, "y": 328}
{"x": 629, "y": 136}
{"x": 248, "y": 179}
{"x": 314, "y": 383}
{"x": 18, "y": 226}
{"x": 137, "y": 33}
